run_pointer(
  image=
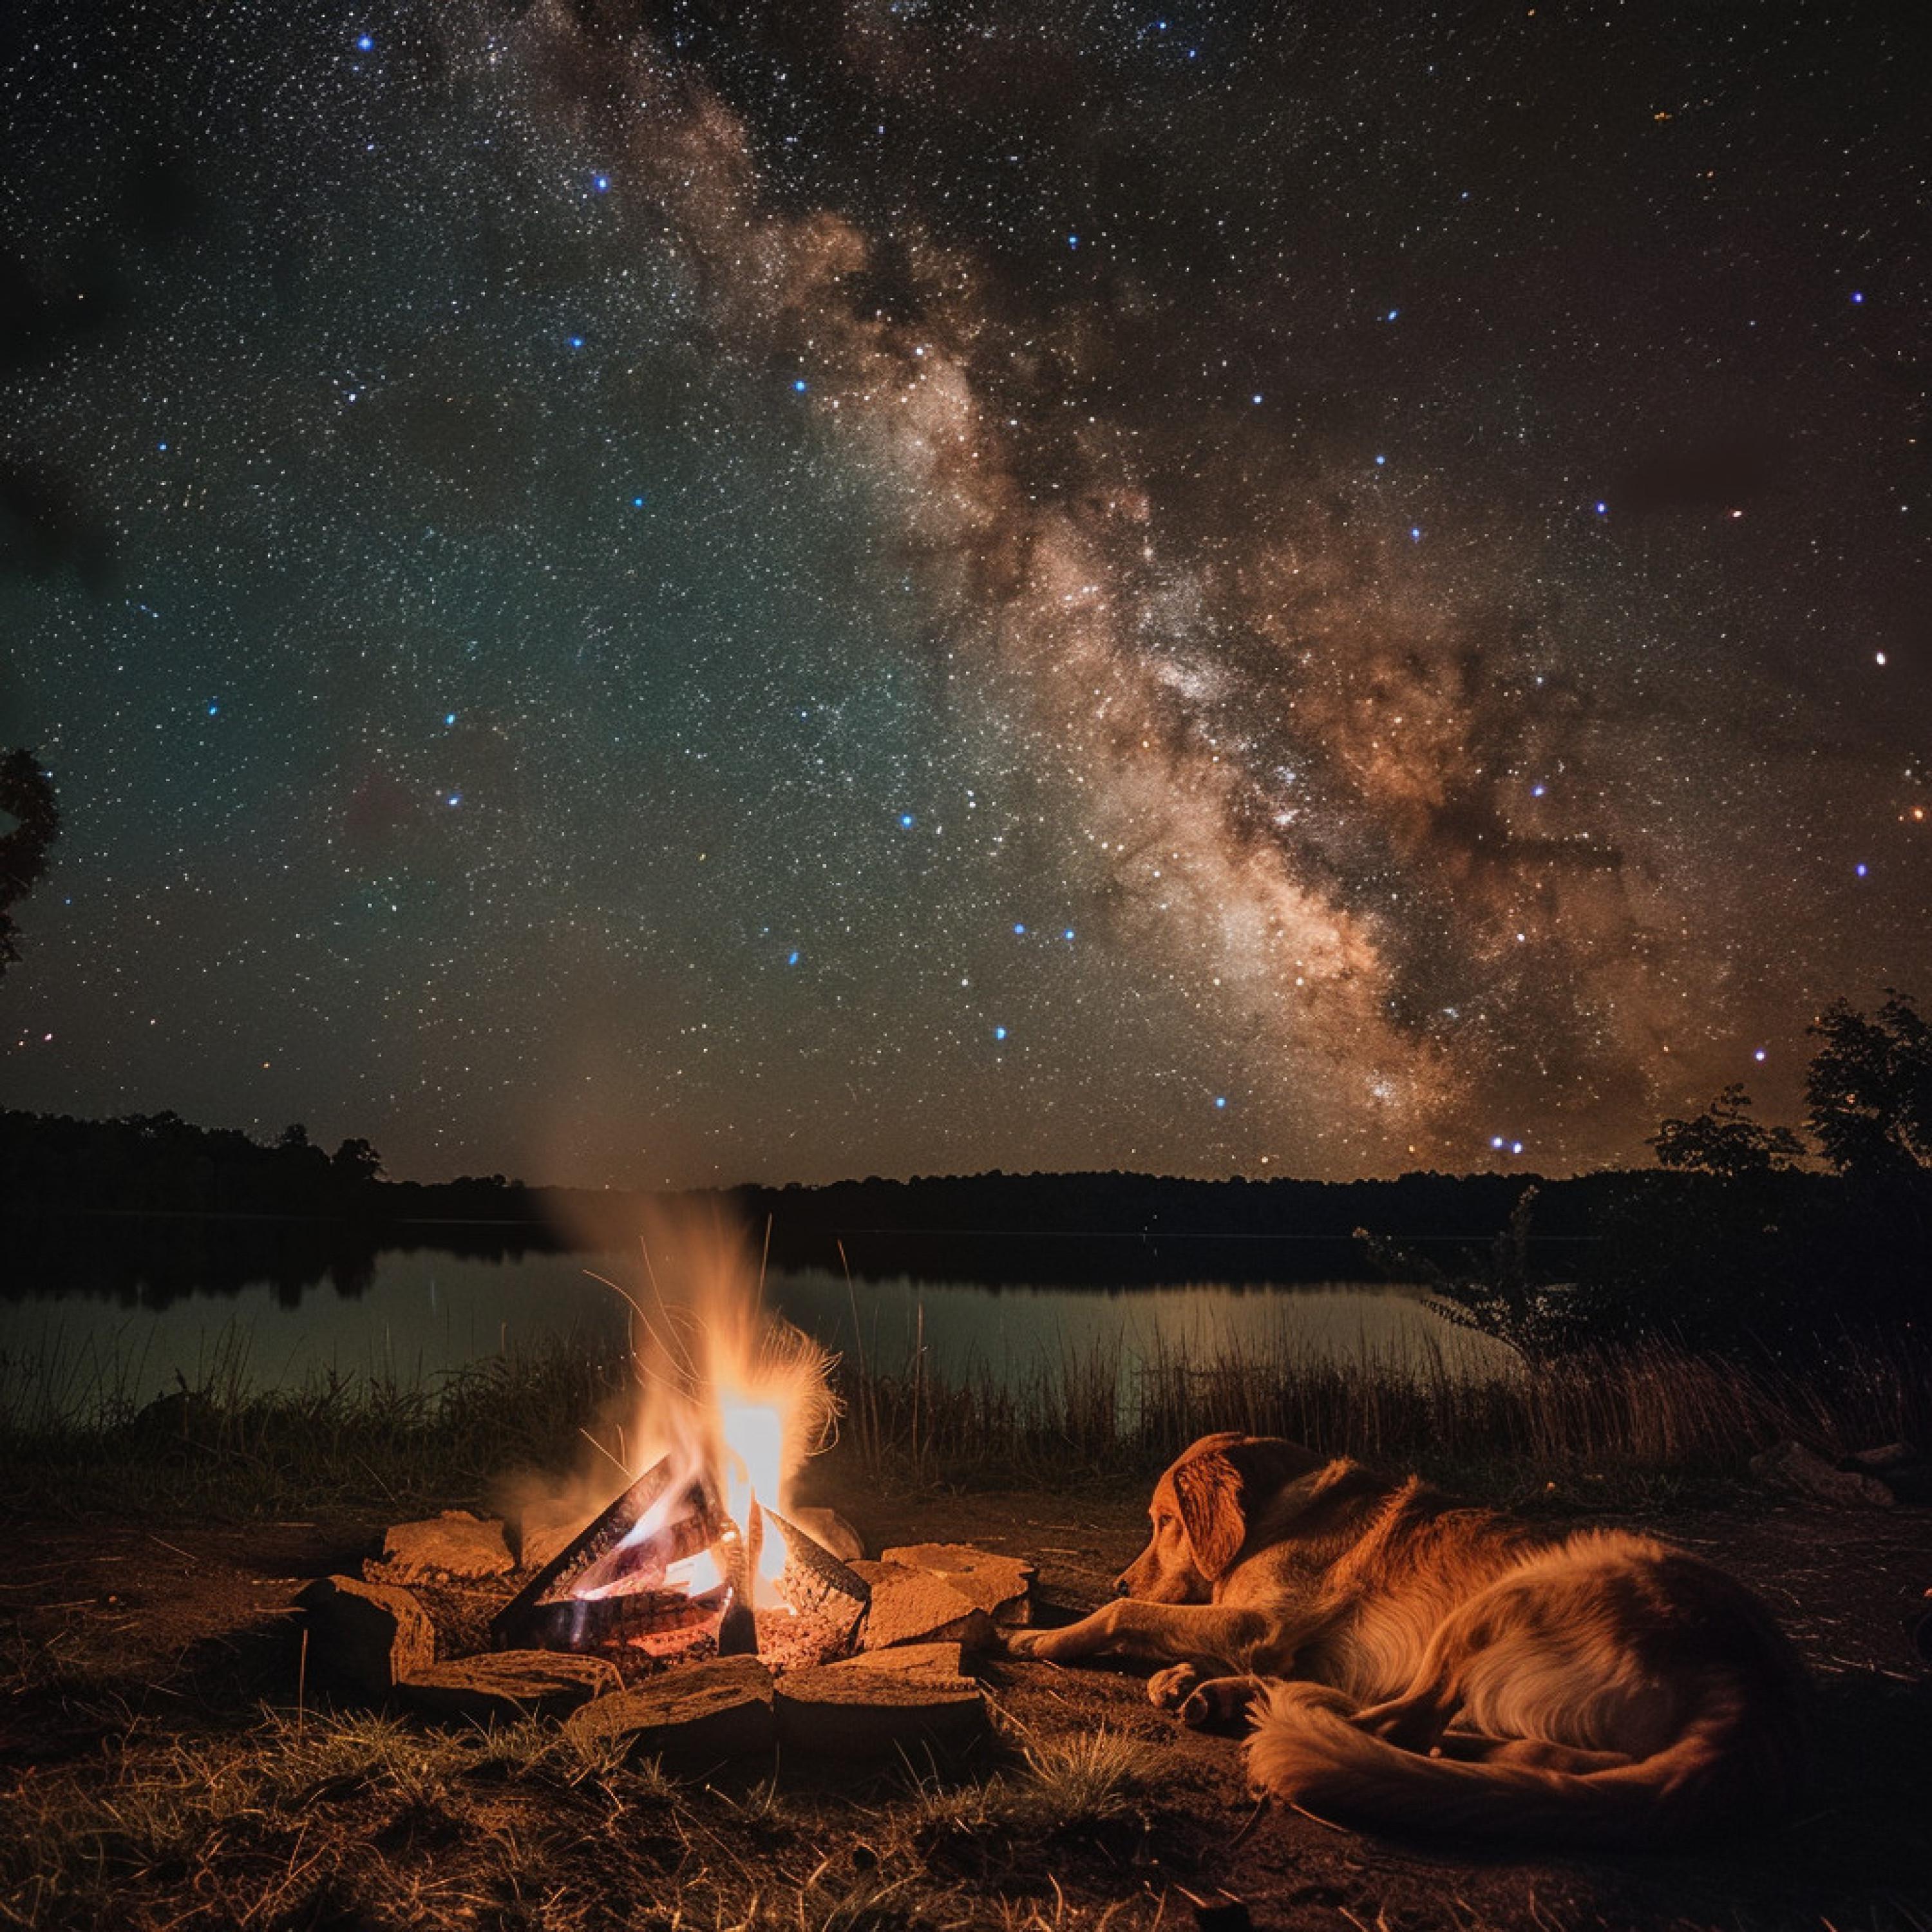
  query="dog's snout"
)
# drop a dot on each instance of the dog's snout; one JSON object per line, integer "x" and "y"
{"x": 1120, "y": 1586}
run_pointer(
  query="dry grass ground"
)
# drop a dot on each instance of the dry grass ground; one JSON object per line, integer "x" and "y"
{"x": 157, "y": 1772}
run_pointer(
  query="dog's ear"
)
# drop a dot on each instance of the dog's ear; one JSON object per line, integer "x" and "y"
{"x": 1207, "y": 1488}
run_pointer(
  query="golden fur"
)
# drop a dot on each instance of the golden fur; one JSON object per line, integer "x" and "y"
{"x": 1409, "y": 1663}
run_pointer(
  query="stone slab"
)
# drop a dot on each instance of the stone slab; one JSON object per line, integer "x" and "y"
{"x": 540, "y": 1530}
{"x": 505, "y": 1685}
{"x": 704, "y": 1712}
{"x": 917, "y": 1606}
{"x": 369, "y": 1635}
{"x": 1002, "y": 1586}
{"x": 830, "y": 1530}
{"x": 455, "y": 1543}
{"x": 872, "y": 1705}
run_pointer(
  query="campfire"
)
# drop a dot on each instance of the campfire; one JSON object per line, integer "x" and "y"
{"x": 700, "y": 1613}
{"x": 695, "y": 1558}
{"x": 674, "y": 1571}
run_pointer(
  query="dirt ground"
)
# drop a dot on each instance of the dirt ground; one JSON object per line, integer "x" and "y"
{"x": 112, "y": 1632}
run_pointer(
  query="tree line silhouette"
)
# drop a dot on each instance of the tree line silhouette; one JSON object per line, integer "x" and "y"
{"x": 1738, "y": 1239}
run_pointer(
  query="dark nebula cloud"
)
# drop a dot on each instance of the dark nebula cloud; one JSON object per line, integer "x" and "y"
{"x": 887, "y": 587}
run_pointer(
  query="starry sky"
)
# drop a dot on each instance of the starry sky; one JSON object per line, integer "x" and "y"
{"x": 704, "y": 592}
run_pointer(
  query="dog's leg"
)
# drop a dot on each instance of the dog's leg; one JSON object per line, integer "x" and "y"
{"x": 1416, "y": 1721}
{"x": 1212, "y": 1637}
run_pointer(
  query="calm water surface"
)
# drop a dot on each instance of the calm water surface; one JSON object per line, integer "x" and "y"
{"x": 423, "y": 1314}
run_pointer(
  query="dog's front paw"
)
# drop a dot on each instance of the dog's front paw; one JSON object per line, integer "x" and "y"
{"x": 1024, "y": 1642}
{"x": 1168, "y": 1690}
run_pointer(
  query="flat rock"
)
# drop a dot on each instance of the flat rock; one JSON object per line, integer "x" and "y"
{"x": 509, "y": 1684}
{"x": 1002, "y": 1586}
{"x": 830, "y": 1530}
{"x": 369, "y": 1635}
{"x": 455, "y": 1543}
{"x": 870, "y": 1706}
{"x": 541, "y": 1530}
{"x": 1790, "y": 1465}
{"x": 706, "y": 1711}
{"x": 917, "y": 1606}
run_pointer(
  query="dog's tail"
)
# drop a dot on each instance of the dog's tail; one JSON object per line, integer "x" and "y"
{"x": 1725, "y": 1767}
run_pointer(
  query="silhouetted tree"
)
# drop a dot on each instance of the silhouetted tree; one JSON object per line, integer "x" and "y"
{"x": 355, "y": 1163}
{"x": 1870, "y": 1088}
{"x": 27, "y": 795}
{"x": 1723, "y": 1140}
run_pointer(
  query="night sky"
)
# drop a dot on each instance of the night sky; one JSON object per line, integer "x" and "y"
{"x": 781, "y": 591}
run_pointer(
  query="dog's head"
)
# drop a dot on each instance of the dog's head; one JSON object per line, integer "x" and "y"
{"x": 1202, "y": 1507}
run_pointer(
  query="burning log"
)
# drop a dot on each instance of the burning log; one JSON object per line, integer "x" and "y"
{"x": 665, "y": 1571}
{"x": 608, "y": 1584}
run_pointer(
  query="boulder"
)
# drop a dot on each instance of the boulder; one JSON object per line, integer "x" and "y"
{"x": 917, "y": 1606}
{"x": 455, "y": 1543}
{"x": 1790, "y": 1465}
{"x": 1002, "y": 1586}
{"x": 703, "y": 1713}
{"x": 368, "y": 1635}
{"x": 509, "y": 1684}
{"x": 873, "y": 1704}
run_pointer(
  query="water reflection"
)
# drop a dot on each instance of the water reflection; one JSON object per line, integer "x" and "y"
{"x": 413, "y": 1313}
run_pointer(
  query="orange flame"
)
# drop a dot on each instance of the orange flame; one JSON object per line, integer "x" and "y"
{"x": 730, "y": 1391}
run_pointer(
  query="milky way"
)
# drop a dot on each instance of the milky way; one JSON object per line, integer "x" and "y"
{"x": 897, "y": 588}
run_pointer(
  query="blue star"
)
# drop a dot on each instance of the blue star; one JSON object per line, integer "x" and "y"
{"x": 162, "y": 447}
{"x": 1415, "y": 533}
{"x": 213, "y": 709}
{"x": 1858, "y": 295}
{"x": 791, "y": 957}
{"x": 1863, "y": 868}
{"x": 799, "y": 385}
{"x": 1538, "y": 790}
{"x": 1072, "y": 240}
{"x": 576, "y": 342}
{"x": 999, "y": 1033}
{"x": 449, "y": 718}
{"x": 1256, "y": 400}
{"x": 602, "y": 183}
{"x": 637, "y": 503}
{"x": 1380, "y": 460}
{"x": 456, "y": 798}
{"x": 365, "y": 43}
{"x": 1019, "y": 931}
{"x": 1603, "y": 509}
{"x": 907, "y": 821}
{"x": 1392, "y": 314}
{"x": 1220, "y": 1099}
{"x": 1068, "y": 935}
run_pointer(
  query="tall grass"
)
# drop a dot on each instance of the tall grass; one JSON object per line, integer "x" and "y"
{"x": 1095, "y": 1410}
{"x": 1627, "y": 1410}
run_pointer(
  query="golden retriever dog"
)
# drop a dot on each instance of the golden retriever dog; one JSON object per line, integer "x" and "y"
{"x": 1408, "y": 1663}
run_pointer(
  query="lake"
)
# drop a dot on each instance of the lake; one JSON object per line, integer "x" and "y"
{"x": 415, "y": 1314}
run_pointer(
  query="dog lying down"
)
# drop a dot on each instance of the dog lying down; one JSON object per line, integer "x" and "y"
{"x": 1406, "y": 1663}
